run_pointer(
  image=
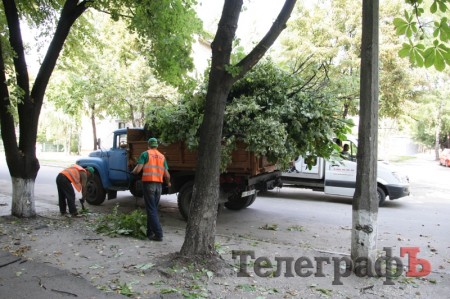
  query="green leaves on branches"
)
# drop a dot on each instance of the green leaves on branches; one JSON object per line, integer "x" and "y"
{"x": 428, "y": 43}
{"x": 405, "y": 26}
{"x": 165, "y": 29}
{"x": 270, "y": 110}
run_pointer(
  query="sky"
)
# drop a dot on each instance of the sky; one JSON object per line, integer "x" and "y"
{"x": 254, "y": 21}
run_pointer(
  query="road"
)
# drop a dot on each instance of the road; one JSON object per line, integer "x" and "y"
{"x": 420, "y": 220}
{"x": 45, "y": 187}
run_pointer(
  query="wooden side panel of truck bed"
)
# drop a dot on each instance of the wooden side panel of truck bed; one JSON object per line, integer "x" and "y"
{"x": 179, "y": 157}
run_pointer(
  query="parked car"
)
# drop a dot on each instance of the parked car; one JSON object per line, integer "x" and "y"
{"x": 444, "y": 157}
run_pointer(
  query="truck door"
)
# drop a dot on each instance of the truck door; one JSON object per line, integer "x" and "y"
{"x": 340, "y": 177}
{"x": 118, "y": 172}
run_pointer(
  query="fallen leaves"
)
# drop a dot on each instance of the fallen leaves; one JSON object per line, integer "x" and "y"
{"x": 269, "y": 227}
{"x": 325, "y": 292}
{"x": 297, "y": 228}
{"x": 21, "y": 250}
{"x": 144, "y": 266}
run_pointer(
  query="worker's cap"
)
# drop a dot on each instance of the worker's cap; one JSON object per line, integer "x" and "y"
{"x": 90, "y": 169}
{"x": 153, "y": 142}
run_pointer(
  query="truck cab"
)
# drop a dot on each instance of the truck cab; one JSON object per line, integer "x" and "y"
{"x": 111, "y": 170}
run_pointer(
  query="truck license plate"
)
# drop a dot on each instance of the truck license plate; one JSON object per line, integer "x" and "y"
{"x": 247, "y": 193}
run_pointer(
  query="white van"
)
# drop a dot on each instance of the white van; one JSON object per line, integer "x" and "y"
{"x": 339, "y": 177}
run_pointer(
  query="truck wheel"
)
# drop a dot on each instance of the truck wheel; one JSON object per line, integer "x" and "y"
{"x": 381, "y": 196}
{"x": 136, "y": 188}
{"x": 236, "y": 202}
{"x": 95, "y": 192}
{"x": 251, "y": 200}
{"x": 184, "y": 199}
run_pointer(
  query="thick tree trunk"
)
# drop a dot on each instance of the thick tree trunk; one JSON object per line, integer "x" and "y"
{"x": 201, "y": 227}
{"x": 365, "y": 201}
{"x": 21, "y": 156}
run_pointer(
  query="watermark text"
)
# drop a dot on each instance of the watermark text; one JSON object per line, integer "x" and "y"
{"x": 387, "y": 266}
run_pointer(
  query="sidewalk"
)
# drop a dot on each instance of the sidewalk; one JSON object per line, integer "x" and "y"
{"x": 21, "y": 278}
{"x": 25, "y": 279}
{"x": 40, "y": 206}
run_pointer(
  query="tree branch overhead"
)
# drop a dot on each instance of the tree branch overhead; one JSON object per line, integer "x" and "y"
{"x": 267, "y": 41}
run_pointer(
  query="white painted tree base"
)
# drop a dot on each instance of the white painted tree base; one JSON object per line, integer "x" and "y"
{"x": 23, "y": 198}
{"x": 364, "y": 235}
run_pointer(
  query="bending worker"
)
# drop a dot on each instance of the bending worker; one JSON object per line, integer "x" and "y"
{"x": 76, "y": 176}
{"x": 155, "y": 170}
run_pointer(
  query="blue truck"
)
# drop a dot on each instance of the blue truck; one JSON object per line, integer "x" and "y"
{"x": 245, "y": 176}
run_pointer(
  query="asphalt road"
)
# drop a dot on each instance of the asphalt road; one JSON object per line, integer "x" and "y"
{"x": 419, "y": 220}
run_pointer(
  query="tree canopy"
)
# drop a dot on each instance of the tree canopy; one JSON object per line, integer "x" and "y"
{"x": 324, "y": 40}
{"x": 98, "y": 86}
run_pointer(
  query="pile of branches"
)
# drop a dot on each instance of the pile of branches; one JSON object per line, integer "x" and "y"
{"x": 270, "y": 110}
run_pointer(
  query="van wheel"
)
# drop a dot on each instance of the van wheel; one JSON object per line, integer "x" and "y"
{"x": 236, "y": 202}
{"x": 95, "y": 193}
{"x": 381, "y": 196}
{"x": 185, "y": 198}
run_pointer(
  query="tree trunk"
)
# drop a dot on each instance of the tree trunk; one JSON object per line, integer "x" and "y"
{"x": 132, "y": 114}
{"x": 437, "y": 144}
{"x": 22, "y": 198}
{"x": 21, "y": 156}
{"x": 448, "y": 140}
{"x": 346, "y": 107}
{"x": 94, "y": 128}
{"x": 201, "y": 227}
{"x": 68, "y": 143}
{"x": 365, "y": 201}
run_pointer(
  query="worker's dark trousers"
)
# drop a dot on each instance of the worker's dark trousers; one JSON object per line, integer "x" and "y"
{"x": 152, "y": 194}
{"x": 65, "y": 191}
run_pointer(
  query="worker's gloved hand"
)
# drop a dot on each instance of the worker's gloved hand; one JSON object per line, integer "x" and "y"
{"x": 135, "y": 177}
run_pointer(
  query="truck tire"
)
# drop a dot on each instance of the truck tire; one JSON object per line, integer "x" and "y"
{"x": 236, "y": 202}
{"x": 184, "y": 199}
{"x": 95, "y": 193}
{"x": 381, "y": 196}
{"x": 136, "y": 188}
{"x": 251, "y": 200}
